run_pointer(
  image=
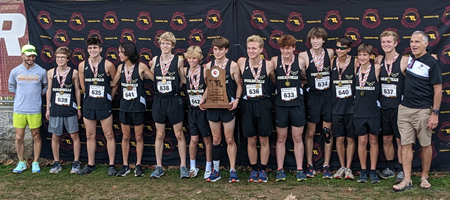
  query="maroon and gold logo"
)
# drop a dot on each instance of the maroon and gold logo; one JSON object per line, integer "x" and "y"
{"x": 44, "y": 19}
{"x": 264, "y": 55}
{"x": 61, "y": 38}
{"x": 446, "y": 16}
{"x": 258, "y": 19}
{"x": 333, "y": 20}
{"x": 446, "y": 94}
{"x": 371, "y": 19}
{"x": 407, "y": 51}
{"x": 66, "y": 142}
{"x": 112, "y": 54}
{"x": 274, "y": 37}
{"x": 149, "y": 128}
{"x": 101, "y": 143}
{"x": 308, "y": 45}
{"x": 433, "y": 35}
{"x": 156, "y": 40}
{"x": 95, "y": 34}
{"x": 143, "y": 21}
{"x": 209, "y": 55}
{"x": 77, "y": 21}
{"x": 110, "y": 20}
{"x": 374, "y": 53}
{"x": 213, "y": 19}
{"x": 47, "y": 54}
{"x": 295, "y": 22}
{"x": 196, "y": 38}
{"x": 132, "y": 144}
{"x": 444, "y": 131}
{"x": 178, "y": 21}
{"x": 145, "y": 55}
{"x": 317, "y": 152}
{"x": 78, "y": 56}
{"x": 445, "y": 54}
{"x": 168, "y": 146}
{"x": 395, "y": 30}
{"x": 354, "y": 34}
{"x": 127, "y": 36}
{"x": 410, "y": 18}
{"x": 179, "y": 52}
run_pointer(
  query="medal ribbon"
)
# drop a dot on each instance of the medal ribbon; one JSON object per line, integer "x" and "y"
{"x": 388, "y": 66}
{"x": 346, "y": 63}
{"x": 128, "y": 73}
{"x": 318, "y": 60}
{"x": 64, "y": 76}
{"x": 362, "y": 81}
{"x": 258, "y": 73}
{"x": 288, "y": 71}
{"x": 194, "y": 77}
{"x": 165, "y": 65}
{"x": 224, "y": 64}
{"x": 94, "y": 68}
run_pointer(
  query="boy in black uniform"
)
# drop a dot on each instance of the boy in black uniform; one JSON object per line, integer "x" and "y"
{"x": 343, "y": 76}
{"x": 289, "y": 104}
{"x": 366, "y": 117}
{"x": 95, "y": 80}
{"x": 391, "y": 80}
{"x": 132, "y": 105}
{"x": 63, "y": 107}
{"x": 318, "y": 97}
{"x": 225, "y": 117}
{"x": 256, "y": 107}
{"x": 167, "y": 104}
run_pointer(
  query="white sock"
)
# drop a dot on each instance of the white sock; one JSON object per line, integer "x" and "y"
{"x": 216, "y": 164}
{"x": 232, "y": 169}
{"x": 193, "y": 164}
{"x": 208, "y": 166}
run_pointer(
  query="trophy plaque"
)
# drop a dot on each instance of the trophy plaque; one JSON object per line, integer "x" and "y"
{"x": 216, "y": 90}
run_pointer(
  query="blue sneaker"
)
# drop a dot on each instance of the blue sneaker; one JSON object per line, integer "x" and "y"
{"x": 310, "y": 172}
{"x": 35, "y": 168}
{"x": 326, "y": 173}
{"x": 281, "y": 176}
{"x": 157, "y": 173}
{"x": 362, "y": 176}
{"x": 233, "y": 177}
{"x": 253, "y": 176}
{"x": 21, "y": 166}
{"x": 374, "y": 177}
{"x": 262, "y": 176}
{"x": 215, "y": 176}
{"x": 300, "y": 175}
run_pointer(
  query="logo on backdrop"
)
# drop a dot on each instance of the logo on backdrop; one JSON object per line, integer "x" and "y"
{"x": 274, "y": 37}
{"x": 407, "y": 51}
{"x": 78, "y": 56}
{"x": 178, "y": 21}
{"x": 145, "y": 55}
{"x": 66, "y": 142}
{"x": 317, "y": 152}
{"x": 213, "y": 19}
{"x": 333, "y": 20}
{"x": 77, "y": 21}
{"x": 149, "y": 127}
{"x": 410, "y": 18}
{"x": 168, "y": 146}
{"x": 144, "y": 22}
{"x": 101, "y": 143}
{"x": 47, "y": 54}
{"x": 112, "y": 55}
{"x": 258, "y": 19}
{"x": 446, "y": 16}
{"x": 295, "y": 22}
{"x": 264, "y": 55}
{"x": 371, "y": 19}
{"x": 433, "y": 35}
{"x": 354, "y": 34}
{"x": 444, "y": 131}
{"x": 110, "y": 20}
{"x": 61, "y": 38}
{"x": 156, "y": 40}
{"x": 196, "y": 38}
{"x": 127, "y": 36}
{"x": 445, "y": 54}
{"x": 209, "y": 55}
{"x": 446, "y": 94}
{"x": 44, "y": 19}
{"x": 95, "y": 34}
{"x": 374, "y": 53}
{"x": 395, "y": 30}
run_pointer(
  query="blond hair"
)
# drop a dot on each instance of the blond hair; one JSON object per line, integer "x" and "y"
{"x": 168, "y": 36}
{"x": 194, "y": 52}
{"x": 389, "y": 33}
{"x": 256, "y": 38}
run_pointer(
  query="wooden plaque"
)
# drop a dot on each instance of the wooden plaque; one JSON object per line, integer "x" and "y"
{"x": 217, "y": 92}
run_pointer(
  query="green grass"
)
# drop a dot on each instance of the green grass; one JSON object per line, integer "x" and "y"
{"x": 100, "y": 186}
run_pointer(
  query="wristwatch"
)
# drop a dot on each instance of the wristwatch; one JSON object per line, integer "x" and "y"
{"x": 436, "y": 112}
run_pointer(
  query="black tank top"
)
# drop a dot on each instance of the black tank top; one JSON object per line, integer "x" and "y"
{"x": 173, "y": 76}
{"x": 367, "y": 106}
{"x": 133, "y": 94}
{"x": 98, "y": 90}
{"x": 294, "y": 82}
{"x": 311, "y": 73}
{"x": 230, "y": 83}
{"x": 195, "y": 94}
{"x": 252, "y": 87}
{"x": 63, "y": 101}
{"x": 389, "y": 98}
{"x": 343, "y": 95}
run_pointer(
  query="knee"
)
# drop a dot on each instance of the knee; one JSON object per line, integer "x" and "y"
{"x": 90, "y": 136}
{"x": 126, "y": 137}
{"x": 309, "y": 134}
{"x": 75, "y": 136}
{"x": 207, "y": 141}
{"x": 362, "y": 142}
{"x": 373, "y": 141}
{"x": 160, "y": 136}
{"x": 281, "y": 138}
{"x": 230, "y": 141}
{"x": 298, "y": 138}
{"x": 264, "y": 141}
{"x": 109, "y": 136}
{"x": 340, "y": 140}
{"x": 251, "y": 141}
{"x": 139, "y": 138}
{"x": 55, "y": 138}
{"x": 194, "y": 140}
{"x": 179, "y": 135}
{"x": 19, "y": 138}
{"x": 387, "y": 141}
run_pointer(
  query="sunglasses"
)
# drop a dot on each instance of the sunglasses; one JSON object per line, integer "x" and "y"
{"x": 341, "y": 48}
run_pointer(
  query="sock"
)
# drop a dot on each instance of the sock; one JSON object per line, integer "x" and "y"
{"x": 263, "y": 167}
{"x": 111, "y": 166}
{"x": 216, "y": 157}
{"x": 208, "y": 166}
{"x": 232, "y": 169}
{"x": 216, "y": 165}
{"x": 390, "y": 164}
{"x": 325, "y": 166}
{"x": 299, "y": 169}
{"x": 400, "y": 169}
{"x": 192, "y": 164}
{"x": 56, "y": 162}
{"x": 91, "y": 166}
{"x": 254, "y": 167}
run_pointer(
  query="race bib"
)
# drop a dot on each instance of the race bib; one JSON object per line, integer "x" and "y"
{"x": 253, "y": 91}
{"x": 129, "y": 94}
{"x": 288, "y": 94}
{"x": 195, "y": 99}
{"x": 344, "y": 91}
{"x": 322, "y": 83}
{"x": 389, "y": 90}
{"x": 164, "y": 87}
{"x": 96, "y": 91}
{"x": 62, "y": 99}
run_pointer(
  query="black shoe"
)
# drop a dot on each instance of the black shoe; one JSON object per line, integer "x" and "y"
{"x": 86, "y": 170}
{"x": 124, "y": 171}
{"x": 138, "y": 172}
{"x": 112, "y": 171}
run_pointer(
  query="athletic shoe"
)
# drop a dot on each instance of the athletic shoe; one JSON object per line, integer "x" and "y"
{"x": 215, "y": 176}
{"x": 157, "y": 173}
{"x": 233, "y": 177}
{"x": 112, "y": 171}
{"x": 21, "y": 166}
{"x": 124, "y": 171}
{"x": 193, "y": 172}
{"x": 281, "y": 176}
{"x": 300, "y": 175}
{"x": 349, "y": 174}
{"x": 362, "y": 176}
{"x": 56, "y": 168}
{"x": 374, "y": 177}
{"x": 184, "y": 173}
{"x": 311, "y": 172}
{"x": 86, "y": 170}
{"x": 253, "y": 176}
{"x": 326, "y": 173}
{"x": 206, "y": 174}
{"x": 400, "y": 177}
{"x": 75, "y": 167}
{"x": 35, "y": 168}
{"x": 387, "y": 173}
{"x": 138, "y": 172}
{"x": 340, "y": 173}
{"x": 262, "y": 176}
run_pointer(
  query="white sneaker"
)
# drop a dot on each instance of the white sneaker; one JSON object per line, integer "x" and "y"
{"x": 193, "y": 172}
{"x": 207, "y": 174}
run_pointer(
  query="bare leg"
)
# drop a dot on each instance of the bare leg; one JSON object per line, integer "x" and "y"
{"x": 373, "y": 140}
{"x": 265, "y": 150}
{"x": 20, "y": 134}
{"x": 107, "y": 127}
{"x": 299, "y": 149}
{"x": 309, "y": 141}
{"x": 125, "y": 142}
{"x": 281, "y": 146}
{"x": 91, "y": 146}
{"x": 159, "y": 140}
{"x": 55, "y": 147}
{"x": 328, "y": 146}
{"x": 231, "y": 144}
{"x": 138, "y": 131}
{"x": 76, "y": 146}
{"x": 340, "y": 148}
{"x": 178, "y": 129}
{"x": 350, "y": 151}
{"x": 251, "y": 150}
{"x": 362, "y": 150}
{"x": 37, "y": 143}
{"x": 427, "y": 153}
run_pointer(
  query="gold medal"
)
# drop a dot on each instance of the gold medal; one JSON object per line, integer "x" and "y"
{"x": 95, "y": 82}
{"x": 192, "y": 93}
{"x": 287, "y": 83}
{"x": 129, "y": 87}
{"x": 319, "y": 75}
{"x": 361, "y": 93}
{"x": 258, "y": 86}
{"x": 164, "y": 81}
{"x": 61, "y": 92}
{"x": 340, "y": 84}
{"x": 388, "y": 80}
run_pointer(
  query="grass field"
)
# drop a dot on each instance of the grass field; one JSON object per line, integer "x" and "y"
{"x": 100, "y": 186}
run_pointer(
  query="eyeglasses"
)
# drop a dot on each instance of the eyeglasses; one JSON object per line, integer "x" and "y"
{"x": 61, "y": 57}
{"x": 341, "y": 48}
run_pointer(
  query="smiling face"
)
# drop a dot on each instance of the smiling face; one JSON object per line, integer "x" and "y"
{"x": 287, "y": 52}
{"x": 253, "y": 50}
{"x": 316, "y": 42}
{"x": 122, "y": 55}
{"x": 388, "y": 43}
{"x": 340, "y": 52}
{"x": 28, "y": 61}
{"x": 166, "y": 46}
{"x": 94, "y": 50}
{"x": 61, "y": 60}
{"x": 363, "y": 57}
{"x": 417, "y": 44}
{"x": 193, "y": 61}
